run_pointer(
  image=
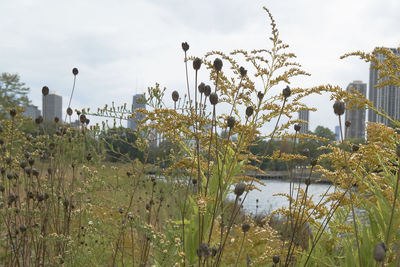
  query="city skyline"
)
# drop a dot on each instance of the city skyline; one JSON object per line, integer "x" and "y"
{"x": 52, "y": 106}
{"x": 356, "y": 116}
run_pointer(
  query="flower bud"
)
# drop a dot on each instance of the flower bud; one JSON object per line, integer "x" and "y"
{"x": 339, "y": 107}
{"x": 313, "y": 162}
{"x": 196, "y": 63}
{"x": 308, "y": 181}
{"x": 82, "y": 118}
{"x": 218, "y": 64}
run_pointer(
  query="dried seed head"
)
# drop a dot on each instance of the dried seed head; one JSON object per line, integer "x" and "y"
{"x": 230, "y": 122}
{"x": 347, "y": 124}
{"x": 75, "y": 71}
{"x": 249, "y": 111}
{"x": 355, "y": 148}
{"x": 22, "y": 164}
{"x": 8, "y": 160}
{"x": 22, "y": 228}
{"x": 87, "y": 121}
{"x": 31, "y": 161}
{"x": 196, "y": 63}
{"x": 89, "y": 157}
{"x": 207, "y": 90}
{"x": 56, "y": 119}
{"x": 313, "y": 162}
{"x": 286, "y": 92}
{"x": 214, "y": 98}
{"x": 175, "y": 96}
{"x": 39, "y": 120}
{"x": 275, "y": 259}
{"x": 218, "y": 64}
{"x": 338, "y": 107}
{"x": 13, "y": 112}
{"x": 213, "y": 251}
{"x": 69, "y": 111}
{"x": 203, "y": 251}
{"x": 185, "y": 46}
{"x": 297, "y": 127}
{"x": 201, "y": 87}
{"x": 380, "y": 252}
{"x": 2, "y": 188}
{"x": 245, "y": 227}
{"x": 10, "y": 176}
{"x": 11, "y": 198}
{"x": 308, "y": 181}
{"x": 260, "y": 95}
{"x": 239, "y": 189}
{"x": 82, "y": 118}
{"x": 243, "y": 71}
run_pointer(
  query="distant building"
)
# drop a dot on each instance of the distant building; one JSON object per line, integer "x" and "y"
{"x": 304, "y": 115}
{"x": 337, "y": 132}
{"x": 356, "y": 116}
{"x": 136, "y": 103}
{"x": 52, "y": 106}
{"x": 386, "y": 97}
{"x": 31, "y": 111}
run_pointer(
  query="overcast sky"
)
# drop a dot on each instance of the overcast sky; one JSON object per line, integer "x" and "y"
{"x": 121, "y": 47}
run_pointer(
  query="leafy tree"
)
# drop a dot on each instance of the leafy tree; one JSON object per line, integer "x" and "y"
{"x": 13, "y": 93}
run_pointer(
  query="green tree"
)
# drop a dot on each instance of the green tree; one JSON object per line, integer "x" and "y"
{"x": 13, "y": 93}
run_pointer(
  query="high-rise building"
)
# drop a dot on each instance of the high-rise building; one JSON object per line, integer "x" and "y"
{"x": 31, "y": 111}
{"x": 337, "y": 132}
{"x": 356, "y": 116}
{"x": 136, "y": 103}
{"x": 52, "y": 106}
{"x": 304, "y": 115}
{"x": 386, "y": 97}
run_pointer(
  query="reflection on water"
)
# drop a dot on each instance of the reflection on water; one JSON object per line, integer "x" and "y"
{"x": 267, "y": 202}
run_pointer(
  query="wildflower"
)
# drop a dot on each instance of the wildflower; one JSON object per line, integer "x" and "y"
{"x": 196, "y": 63}
{"x": 185, "y": 46}
{"x": 45, "y": 90}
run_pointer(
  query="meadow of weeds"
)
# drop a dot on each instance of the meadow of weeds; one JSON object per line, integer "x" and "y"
{"x": 63, "y": 202}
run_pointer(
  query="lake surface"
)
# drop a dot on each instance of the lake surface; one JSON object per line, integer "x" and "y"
{"x": 267, "y": 202}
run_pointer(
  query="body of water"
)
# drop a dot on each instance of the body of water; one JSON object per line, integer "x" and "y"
{"x": 267, "y": 202}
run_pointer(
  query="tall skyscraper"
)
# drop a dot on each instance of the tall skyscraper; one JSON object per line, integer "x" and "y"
{"x": 356, "y": 116}
{"x": 52, "y": 106}
{"x": 31, "y": 111}
{"x": 386, "y": 97}
{"x": 304, "y": 115}
{"x": 136, "y": 103}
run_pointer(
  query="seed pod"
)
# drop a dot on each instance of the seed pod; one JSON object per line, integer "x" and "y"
{"x": 196, "y": 63}
{"x": 239, "y": 189}
{"x": 286, "y": 92}
{"x": 82, "y": 118}
{"x": 45, "y": 90}
{"x": 78, "y": 112}
{"x": 260, "y": 95}
{"x": 185, "y": 46}
{"x": 75, "y": 71}
{"x": 347, "y": 124}
{"x": 56, "y": 119}
{"x": 207, "y": 90}
{"x": 218, "y": 64}
{"x": 194, "y": 181}
{"x": 201, "y": 87}
{"x": 355, "y": 148}
{"x": 249, "y": 111}
{"x": 230, "y": 122}
{"x": 13, "y": 112}
{"x": 245, "y": 227}
{"x": 175, "y": 96}
{"x": 31, "y": 161}
{"x": 308, "y": 181}
{"x": 380, "y": 252}
{"x": 69, "y": 111}
{"x": 275, "y": 259}
{"x": 243, "y": 71}
{"x": 338, "y": 107}
{"x": 213, "y": 99}
{"x": 28, "y": 171}
{"x": 297, "y": 127}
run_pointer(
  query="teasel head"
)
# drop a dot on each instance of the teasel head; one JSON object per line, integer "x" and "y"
{"x": 185, "y": 46}
{"x": 197, "y": 63}
{"x": 239, "y": 189}
{"x": 249, "y": 111}
{"x": 245, "y": 227}
{"x": 339, "y": 107}
{"x": 230, "y": 122}
{"x": 75, "y": 71}
{"x": 286, "y": 92}
{"x": 201, "y": 87}
{"x": 175, "y": 96}
{"x": 218, "y": 64}
{"x": 207, "y": 90}
{"x": 213, "y": 99}
{"x": 243, "y": 72}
